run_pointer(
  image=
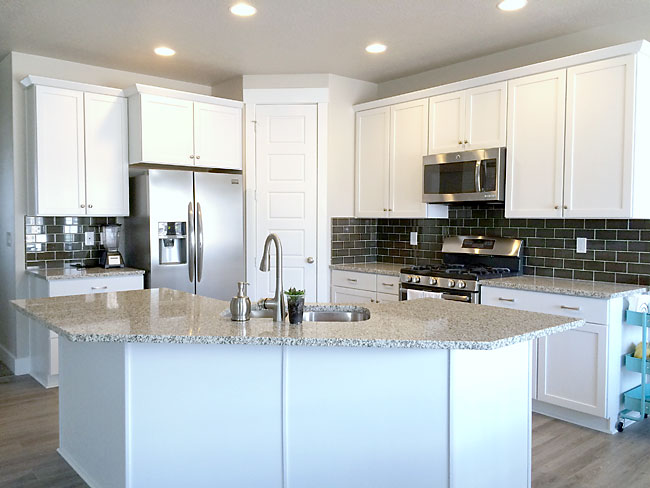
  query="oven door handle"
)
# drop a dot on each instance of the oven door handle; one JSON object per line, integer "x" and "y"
{"x": 456, "y": 298}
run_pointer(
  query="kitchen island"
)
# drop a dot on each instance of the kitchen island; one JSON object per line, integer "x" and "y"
{"x": 160, "y": 388}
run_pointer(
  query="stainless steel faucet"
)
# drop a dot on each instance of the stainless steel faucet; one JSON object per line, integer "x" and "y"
{"x": 278, "y": 303}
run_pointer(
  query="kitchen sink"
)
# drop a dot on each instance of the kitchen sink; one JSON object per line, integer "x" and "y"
{"x": 348, "y": 314}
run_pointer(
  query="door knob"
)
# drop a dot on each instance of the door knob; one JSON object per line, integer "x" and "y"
{"x": 310, "y": 260}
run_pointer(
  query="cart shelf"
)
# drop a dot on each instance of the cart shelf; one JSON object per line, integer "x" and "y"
{"x": 633, "y": 400}
{"x": 636, "y": 364}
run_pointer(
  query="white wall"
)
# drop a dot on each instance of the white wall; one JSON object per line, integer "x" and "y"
{"x": 588, "y": 40}
{"x": 14, "y": 337}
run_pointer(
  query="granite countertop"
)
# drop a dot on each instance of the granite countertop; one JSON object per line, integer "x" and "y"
{"x": 170, "y": 316}
{"x": 388, "y": 269}
{"x": 76, "y": 273}
{"x": 580, "y": 288}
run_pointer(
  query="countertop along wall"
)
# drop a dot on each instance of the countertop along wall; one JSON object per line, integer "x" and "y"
{"x": 14, "y": 339}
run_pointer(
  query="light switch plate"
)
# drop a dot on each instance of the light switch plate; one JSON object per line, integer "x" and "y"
{"x": 581, "y": 245}
{"x": 89, "y": 238}
{"x": 414, "y": 238}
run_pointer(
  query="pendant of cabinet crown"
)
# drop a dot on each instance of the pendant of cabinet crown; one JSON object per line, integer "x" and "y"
{"x": 77, "y": 149}
{"x": 184, "y": 129}
{"x": 468, "y": 119}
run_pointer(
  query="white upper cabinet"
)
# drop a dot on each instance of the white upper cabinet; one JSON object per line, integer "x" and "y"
{"x": 408, "y": 144}
{"x": 77, "y": 152}
{"x": 166, "y": 127}
{"x": 446, "y": 122}
{"x": 468, "y": 119}
{"x": 217, "y": 136}
{"x": 184, "y": 129}
{"x": 107, "y": 169}
{"x": 372, "y": 162}
{"x": 390, "y": 144}
{"x": 586, "y": 158}
{"x": 535, "y": 149}
{"x": 599, "y": 139}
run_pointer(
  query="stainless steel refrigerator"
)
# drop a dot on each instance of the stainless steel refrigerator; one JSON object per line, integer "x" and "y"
{"x": 186, "y": 230}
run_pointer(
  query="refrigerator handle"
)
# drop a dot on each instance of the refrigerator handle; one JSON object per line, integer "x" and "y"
{"x": 199, "y": 243}
{"x": 192, "y": 257}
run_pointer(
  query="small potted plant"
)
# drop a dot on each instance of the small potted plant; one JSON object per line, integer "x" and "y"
{"x": 296, "y": 304}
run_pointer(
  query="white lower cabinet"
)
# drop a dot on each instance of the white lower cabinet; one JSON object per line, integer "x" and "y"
{"x": 576, "y": 373}
{"x": 43, "y": 343}
{"x": 354, "y": 287}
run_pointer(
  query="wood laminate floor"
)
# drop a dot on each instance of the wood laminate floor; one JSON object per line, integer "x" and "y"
{"x": 564, "y": 455}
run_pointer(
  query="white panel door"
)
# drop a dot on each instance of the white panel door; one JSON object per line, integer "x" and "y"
{"x": 572, "y": 369}
{"x": 372, "y": 162}
{"x": 485, "y": 116}
{"x": 447, "y": 122}
{"x": 60, "y": 170}
{"x": 167, "y": 130}
{"x": 535, "y": 155}
{"x": 286, "y": 181}
{"x": 217, "y": 136}
{"x": 350, "y": 295}
{"x": 408, "y": 144}
{"x": 599, "y": 139}
{"x": 107, "y": 152}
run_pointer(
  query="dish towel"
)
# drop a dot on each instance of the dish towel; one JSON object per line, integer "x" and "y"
{"x": 430, "y": 294}
{"x": 413, "y": 294}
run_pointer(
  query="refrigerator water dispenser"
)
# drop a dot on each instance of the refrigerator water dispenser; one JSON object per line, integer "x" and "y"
{"x": 172, "y": 242}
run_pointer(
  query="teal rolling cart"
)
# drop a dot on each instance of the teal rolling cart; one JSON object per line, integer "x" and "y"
{"x": 637, "y": 400}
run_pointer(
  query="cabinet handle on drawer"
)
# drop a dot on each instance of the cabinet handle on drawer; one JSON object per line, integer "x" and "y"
{"x": 507, "y": 299}
{"x": 564, "y": 307}
{"x": 98, "y": 287}
{"x": 352, "y": 280}
{"x": 388, "y": 284}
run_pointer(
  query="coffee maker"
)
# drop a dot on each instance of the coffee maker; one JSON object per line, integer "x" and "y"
{"x": 110, "y": 239}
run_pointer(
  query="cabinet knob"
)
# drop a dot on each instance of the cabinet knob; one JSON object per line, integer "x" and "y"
{"x": 198, "y": 157}
{"x": 465, "y": 142}
{"x": 90, "y": 206}
{"x": 83, "y": 205}
{"x": 565, "y": 207}
{"x": 556, "y": 207}
{"x": 310, "y": 260}
{"x": 385, "y": 210}
{"x": 372, "y": 300}
{"x": 460, "y": 142}
{"x": 191, "y": 156}
{"x": 390, "y": 209}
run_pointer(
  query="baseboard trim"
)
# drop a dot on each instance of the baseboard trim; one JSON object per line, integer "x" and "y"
{"x": 584, "y": 420}
{"x": 18, "y": 366}
{"x": 78, "y": 469}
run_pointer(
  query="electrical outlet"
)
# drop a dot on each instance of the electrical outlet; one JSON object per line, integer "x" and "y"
{"x": 89, "y": 238}
{"x": 9, "y": 239}
{"x": 581, "y": 245}
{"x": 414, "y": 238}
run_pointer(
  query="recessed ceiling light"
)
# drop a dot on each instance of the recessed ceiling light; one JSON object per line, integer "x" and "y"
{"x": 164, "y": 51}
{"x": 376, "y": 48}
{"x": 243, "y": 9}
{"x": 510, "y": 5}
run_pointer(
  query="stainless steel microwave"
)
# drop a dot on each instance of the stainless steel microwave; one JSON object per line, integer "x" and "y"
{"x": 467, "y": 176}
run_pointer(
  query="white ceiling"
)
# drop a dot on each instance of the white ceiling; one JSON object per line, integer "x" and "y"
{"x": 290, "y": 36}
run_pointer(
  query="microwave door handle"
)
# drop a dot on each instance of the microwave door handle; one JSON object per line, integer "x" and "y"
{"x": 477, "y": 176}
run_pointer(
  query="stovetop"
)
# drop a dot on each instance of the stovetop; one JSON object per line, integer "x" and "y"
{"x": 460, "y": 272}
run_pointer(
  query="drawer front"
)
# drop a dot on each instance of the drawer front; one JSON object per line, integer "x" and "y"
{"x": 387, "y": 297}
{"x": 388, "y": 284}
{"x": 350, "y": 279}
{"x": 349, "y": 295}
{"x": 83, "y": 286}
{"x": 592, "y": 310}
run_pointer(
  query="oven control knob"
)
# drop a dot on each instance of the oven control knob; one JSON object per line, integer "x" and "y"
{"x": 451, "y": 283}
{"x": 461, "y": 284}
{"x": 433, "y": 281}
{"x": 416, "y": 279}
{"x": 409, "y": 278}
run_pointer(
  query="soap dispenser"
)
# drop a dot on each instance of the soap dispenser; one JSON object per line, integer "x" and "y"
{"x": 240, "y": 306}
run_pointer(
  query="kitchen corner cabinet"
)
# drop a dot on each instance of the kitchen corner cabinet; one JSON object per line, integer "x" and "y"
{"x": 77, "y": 152}
{"x": 355, "y": 287}
{"x": 577, "y": 373}
{"x": 583, "y": 158}
{"x": 390, "y": 144}
{"x": 468, "y": 119}
{"x": 176, "y": 131}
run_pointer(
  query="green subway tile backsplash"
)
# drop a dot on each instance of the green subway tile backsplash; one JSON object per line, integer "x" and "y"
{"x": 618, "y": 250}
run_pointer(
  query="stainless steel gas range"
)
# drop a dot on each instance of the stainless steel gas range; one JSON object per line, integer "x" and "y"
{"x": 467, "y": 262}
